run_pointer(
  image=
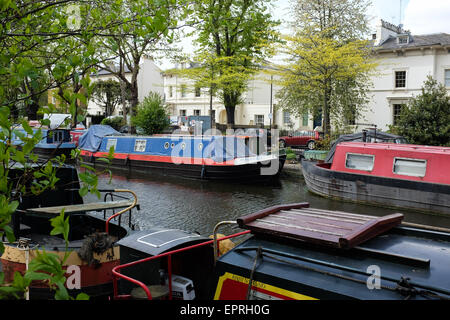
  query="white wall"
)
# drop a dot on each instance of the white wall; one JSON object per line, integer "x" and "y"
{"x": 418, "y": 64}
{"x": 256, "y": 101}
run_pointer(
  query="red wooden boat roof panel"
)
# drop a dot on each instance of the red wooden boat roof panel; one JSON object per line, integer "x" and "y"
{"x": 437, "y": 160}
{"x": 323, "y": 227}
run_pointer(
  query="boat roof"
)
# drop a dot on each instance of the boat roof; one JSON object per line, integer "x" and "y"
{"x": 420, "y": 255}
{"x": 372, "y": 135}
{"x": 323, "y": 227}
{"x": 397, "y": 147}
{"x": 313, "y": 259}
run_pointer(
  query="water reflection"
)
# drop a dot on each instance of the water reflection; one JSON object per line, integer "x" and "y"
{"x": 197, "y": 206}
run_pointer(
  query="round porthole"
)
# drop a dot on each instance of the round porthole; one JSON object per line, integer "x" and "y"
{"x": 172, "y": 145}
{"x": 200, "y": 146}
{"x": 183, "y": 146}
{"x": 166, "y": 145}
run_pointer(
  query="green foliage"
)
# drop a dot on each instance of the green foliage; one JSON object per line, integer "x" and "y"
{"x": 235, "y": 37}
{"x": 116, "y": 122}
{"x": 328, "y": 65}
{"x": 46, "y": 47}
{"x": 325, "y": 143}
{"x": 426, "y": 118}
{"x": 107, "y": 94}
{"x": 152, "y": 116}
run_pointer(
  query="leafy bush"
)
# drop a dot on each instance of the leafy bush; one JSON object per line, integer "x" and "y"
{"x": 151, "y": 115}
{"x": 426, "y": 118}
{"x": 290, "y": 155}
{"x": 116, "y": 122}
{"x": 325, "y": 143}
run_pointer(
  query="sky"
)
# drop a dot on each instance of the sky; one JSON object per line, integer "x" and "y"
{"x": 418, "y": 16}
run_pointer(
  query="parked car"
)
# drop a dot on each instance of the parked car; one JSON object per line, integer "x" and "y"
{"x": 300, "y": 139}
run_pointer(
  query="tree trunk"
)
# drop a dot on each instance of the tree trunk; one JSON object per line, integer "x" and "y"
{"x": 230, "y": 102}
{"x": 326, "y": 124}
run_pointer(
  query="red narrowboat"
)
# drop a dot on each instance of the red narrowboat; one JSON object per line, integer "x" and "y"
{"x": 394, "y": 175}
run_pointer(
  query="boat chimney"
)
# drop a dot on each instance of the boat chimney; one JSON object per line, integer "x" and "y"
{"x": 364, "y": 135}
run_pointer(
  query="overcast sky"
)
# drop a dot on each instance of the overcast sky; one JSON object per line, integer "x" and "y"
{"x": 418, "y": 16}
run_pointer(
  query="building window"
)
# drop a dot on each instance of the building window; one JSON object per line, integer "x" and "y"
{"x": 397, "y": 110}
{"x": 259, "y": 119}
{"x": 171, "y": 91}
{"x": 286, "y": 117}
{"x": 403, "y": 39}
{"x": 447, "y": 78}
{"x": 359, "y": 161}
{"x": 183, "y": 113}
{"x": 196, "y": 112}
{"x": 400, "y": 79}
{"x": 183, "y": 90}
{"x": 305, "y": 119}
{"x": 410, "y": 167}
{"x": 197, "y": 91}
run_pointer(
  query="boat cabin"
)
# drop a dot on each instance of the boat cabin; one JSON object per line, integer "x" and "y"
{"x": 398, "y": 161}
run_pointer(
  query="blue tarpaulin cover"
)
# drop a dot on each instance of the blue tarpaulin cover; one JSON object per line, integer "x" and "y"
{"x": 222, "y": 149}
{"x": 92, "y": 138}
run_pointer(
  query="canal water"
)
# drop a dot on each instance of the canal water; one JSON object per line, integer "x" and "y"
{"x": 197, "y": 206}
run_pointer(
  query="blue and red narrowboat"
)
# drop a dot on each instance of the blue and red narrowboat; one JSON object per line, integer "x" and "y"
{"x": 227, "y": 158}
{"x": 395, "y": 175}
{"x": 54, "y": 142}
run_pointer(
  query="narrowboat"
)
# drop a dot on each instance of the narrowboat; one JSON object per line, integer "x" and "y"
{"x": 92, "y": 249}
{"x": 289, "y": 252}
{"x": 394, "y": 175}
{"x": 226, "y": 158}
{"x": 54, "y": 142}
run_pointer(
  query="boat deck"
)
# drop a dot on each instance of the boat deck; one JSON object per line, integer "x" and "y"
{"x": 78, "y": 208}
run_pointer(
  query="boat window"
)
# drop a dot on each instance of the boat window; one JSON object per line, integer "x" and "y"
{"x": 410, "y": 167}
{"x": 111, "y": 143}
{"x": 200, "y": 146}
{"x": 139, "y": 145}
{"x": 166, "y": 145}
{"x": 359, "y": 161}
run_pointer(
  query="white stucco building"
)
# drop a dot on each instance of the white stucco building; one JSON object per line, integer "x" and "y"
{"x": 405, "y": 61}
{"x": 259, "y": 101}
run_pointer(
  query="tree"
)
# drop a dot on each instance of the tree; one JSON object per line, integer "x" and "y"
{"x": 426, "y": 118}
{"x": 328, "y": 65}
{"x": 149, "y": 33}
{"x": 235, "y": 37}
{"x": 46, "y": 45}
{"x": 107, "y": 93}
{"x": 151, "y": 116}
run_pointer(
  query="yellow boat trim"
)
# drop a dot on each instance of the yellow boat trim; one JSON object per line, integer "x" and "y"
{"x": 268, "y": 287}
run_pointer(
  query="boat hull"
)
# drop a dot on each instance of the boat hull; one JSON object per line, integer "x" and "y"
{"x": 397, "y": 193}
{"x": 238, "y": 173}
{"x": 94, "y": 280}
